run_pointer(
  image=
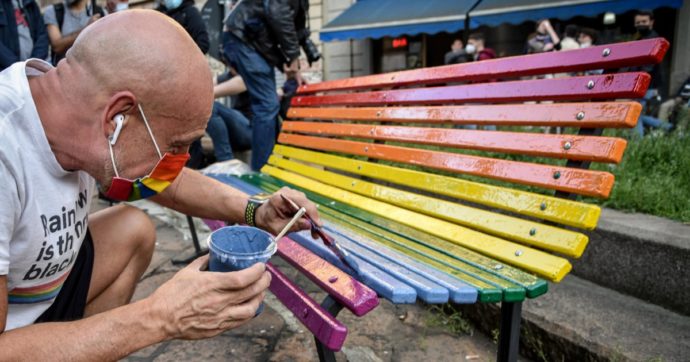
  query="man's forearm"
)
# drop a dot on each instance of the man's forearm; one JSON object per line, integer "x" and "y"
{"x": 106, "y": 336}
{"x": 231, "y": 87}
{"x": 198, "y": 195}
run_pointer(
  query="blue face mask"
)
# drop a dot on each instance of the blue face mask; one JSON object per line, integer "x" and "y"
{"x": 172, "y": 4}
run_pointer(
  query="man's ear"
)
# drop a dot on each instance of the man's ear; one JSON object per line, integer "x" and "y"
{"x": 117, "y": 113}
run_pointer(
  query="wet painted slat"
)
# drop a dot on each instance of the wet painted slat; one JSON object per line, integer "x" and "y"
{"x": 541, "y": 263}
{"x": 583, "y": 182}
{"x": 353, "y": 295}
{"x": 427, "y": 290}
{"x": 609, "y": 86}
{"x": 507, "y": 227}
{"x": 565, "y": 146}
{"x": 378, "y": 279}
{"x": 641, "y": 52}
{"x": 459, "y": 291}
{"x": 483, "y": 273}
{"x": 325, "y": 327}
{"x": 558, "y": 210}
{"x": 586, "y": 115}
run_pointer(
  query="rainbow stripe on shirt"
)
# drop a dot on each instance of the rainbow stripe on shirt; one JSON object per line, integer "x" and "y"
{"x": 38, "y": 293}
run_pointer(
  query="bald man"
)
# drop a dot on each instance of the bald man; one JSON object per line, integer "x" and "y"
{"x": 66, "y": 277}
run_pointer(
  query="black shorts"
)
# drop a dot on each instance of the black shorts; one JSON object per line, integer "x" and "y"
{"x": 70, "y": 302}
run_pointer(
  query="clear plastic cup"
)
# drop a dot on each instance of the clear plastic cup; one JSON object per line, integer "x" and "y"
{"x": 234, "y": 248}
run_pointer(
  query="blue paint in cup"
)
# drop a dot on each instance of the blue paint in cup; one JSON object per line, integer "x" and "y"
{"x": 234, "y": 248}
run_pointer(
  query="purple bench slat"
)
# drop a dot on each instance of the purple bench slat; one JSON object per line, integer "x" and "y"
{"x": 325, "y": 327}
{"x": 349, "y": 292}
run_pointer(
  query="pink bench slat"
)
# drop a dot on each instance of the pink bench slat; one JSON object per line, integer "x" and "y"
{"x": 325, "y": 327}
{"x": 349, "y": 292}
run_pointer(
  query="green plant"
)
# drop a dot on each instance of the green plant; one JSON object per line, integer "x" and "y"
{"x": 447, "y": 317}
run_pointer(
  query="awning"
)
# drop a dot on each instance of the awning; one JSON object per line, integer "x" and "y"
{"x": 379, "y": 18}
{"x": 496, "y": 12}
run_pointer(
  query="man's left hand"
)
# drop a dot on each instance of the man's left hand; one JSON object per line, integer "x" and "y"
{"x": 276, "y": 213}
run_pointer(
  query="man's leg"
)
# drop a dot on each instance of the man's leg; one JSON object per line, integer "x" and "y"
{"x": 259, "y": 77}
{"x": 239, "y": 129}
{"x": 123, "y": 241}
{"x": 216, "y": 128}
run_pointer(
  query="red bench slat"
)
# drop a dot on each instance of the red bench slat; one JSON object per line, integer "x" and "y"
{"x": 352, "y": 294}
{"x": 620, "y": 55}
{"x": 583, "y": 182}
{"x": 600, "y": 149}
{"x": 623, "y": 85}
{"x": 591, "y": 115}
{"x": 325, "y": 327}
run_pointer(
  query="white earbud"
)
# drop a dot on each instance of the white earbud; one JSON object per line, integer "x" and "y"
{"x": 118, "y": 127}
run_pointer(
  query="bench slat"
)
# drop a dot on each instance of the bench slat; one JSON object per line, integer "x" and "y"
{"x": 623, "y": 85}
{"x": 581, "y": 148}
{"x": 527, "y": 232}
{"x": 356, "y": 297}
{"x": 541, "y": 263}
{"x": 583, "y": 182}
{"x": 628, "y": 54}
{"x": 483, "y": 273}
{"x": 324, "y": 326}
{"x": 550, "y": 208}
{"x": 373, "y": 276}
{"x": 593, "y": 115}
{"x": 427, "y": 290}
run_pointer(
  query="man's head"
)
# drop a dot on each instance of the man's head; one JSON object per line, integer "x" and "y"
{"x": 457, "y": 45}
{"x": 128, "y": 60}
{"x": 587, "y": 37}
{"x": 477, "y": 41}
{"x": 644, "y": 22}
{"x": 571, "y": 31}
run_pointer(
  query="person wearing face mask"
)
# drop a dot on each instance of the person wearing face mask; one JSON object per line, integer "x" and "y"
{"x": 67, "y": 275}
{"x": 64, "y": 22}
{"x": 186, "y": 14}
{"x": 476, "y": 49}
{"x": 114, "y": 6}
{"x": 644, "y": 26}
{"x": 587, "y": 37}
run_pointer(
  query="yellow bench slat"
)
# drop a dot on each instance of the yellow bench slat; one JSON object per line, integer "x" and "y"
{"x": 527, "y": 232}
{"x": 548, "y": 266}
{"x": 549, "y": 208}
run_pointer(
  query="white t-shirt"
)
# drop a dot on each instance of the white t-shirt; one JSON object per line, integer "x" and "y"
{"x": 43, "y": 208}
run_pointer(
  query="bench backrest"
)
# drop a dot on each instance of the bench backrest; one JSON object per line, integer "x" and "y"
{"x": 390, "y": 144}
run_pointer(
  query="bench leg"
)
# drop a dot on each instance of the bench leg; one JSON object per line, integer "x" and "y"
{"x": 197, "y": 248}
{"x": 509, "y": 338}
{"x": 333, "y": 307}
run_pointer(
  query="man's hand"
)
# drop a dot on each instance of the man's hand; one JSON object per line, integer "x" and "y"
{"x": 197, "y": 304}
{"x": 292, "y": 71}
{"x": 276, "y": 213}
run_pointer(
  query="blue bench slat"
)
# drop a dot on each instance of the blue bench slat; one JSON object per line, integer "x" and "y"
{"x": 460, "y": 292}
{"x": 427, "y": 290}
{"x": 383, "y": 283}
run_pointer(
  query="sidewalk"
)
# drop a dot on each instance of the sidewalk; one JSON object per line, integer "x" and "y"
{"x": 389, "y": 333}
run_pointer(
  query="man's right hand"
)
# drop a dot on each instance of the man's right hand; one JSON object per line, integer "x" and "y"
{"x": 197, "y": 304}
{"x": 93, "y": 19}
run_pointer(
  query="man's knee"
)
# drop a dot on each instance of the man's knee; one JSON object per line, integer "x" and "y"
{"x": 139, "y": 227}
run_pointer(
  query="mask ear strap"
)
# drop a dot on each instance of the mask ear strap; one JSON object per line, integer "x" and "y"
{"x": 149, "y": 129}
{"x": 112, "y": 158}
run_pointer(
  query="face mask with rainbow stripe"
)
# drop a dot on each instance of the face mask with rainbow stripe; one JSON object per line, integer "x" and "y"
{"x": 166, "y": 170}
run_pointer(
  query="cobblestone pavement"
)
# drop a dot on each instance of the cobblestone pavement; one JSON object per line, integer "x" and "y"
{"x": 389, "y": 333}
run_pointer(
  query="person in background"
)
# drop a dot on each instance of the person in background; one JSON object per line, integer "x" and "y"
{"x": 64, "y": 22}
{"x": 476, "y": 49}
{"x": 186, "y": 14}
{"x": 456, "y": 54}
{"x": 258, "y": 37}
{"x": 22, "y": 33}
{"x": 544, "y": 40}
{"x": 569, "y": 41}
{"x": 587, "y": 37}
{"x": 113, "y": 6}
{"x": 644, "y": 25}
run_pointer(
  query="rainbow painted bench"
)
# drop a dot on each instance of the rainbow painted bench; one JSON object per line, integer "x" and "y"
{"x": 436, "y": 212}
